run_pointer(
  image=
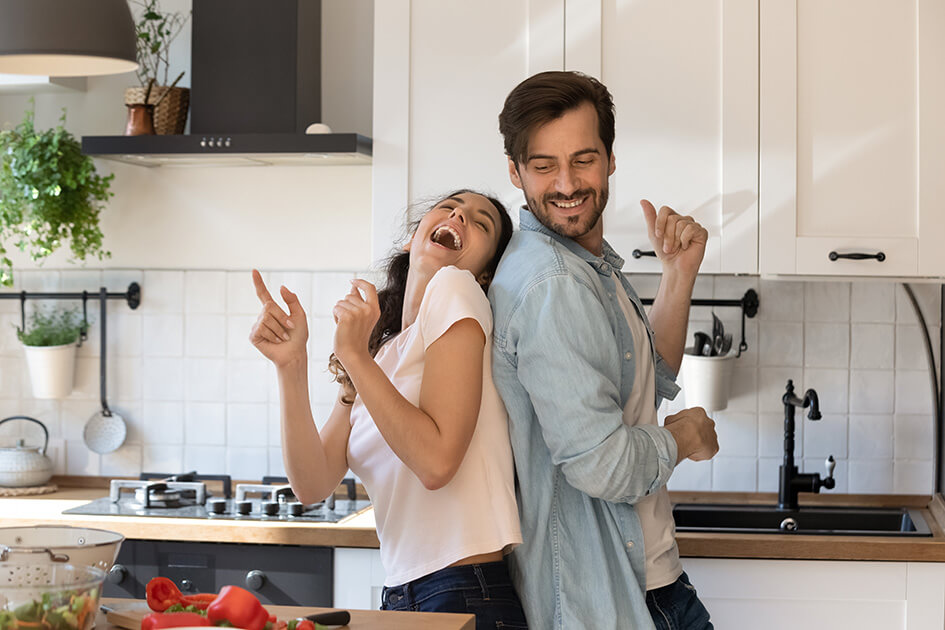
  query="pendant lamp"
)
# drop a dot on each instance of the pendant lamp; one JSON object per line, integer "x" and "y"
{"x": 66, "y": 38}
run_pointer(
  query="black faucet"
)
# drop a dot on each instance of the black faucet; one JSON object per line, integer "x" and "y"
{"x": 792, "y": 482}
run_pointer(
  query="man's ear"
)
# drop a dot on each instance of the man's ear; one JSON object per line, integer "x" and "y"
{"x": 513, "y": 174}
{"x": 613, "y": 164}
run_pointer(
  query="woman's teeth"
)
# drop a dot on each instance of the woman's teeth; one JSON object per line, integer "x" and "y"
{"x": 447, "y": 237}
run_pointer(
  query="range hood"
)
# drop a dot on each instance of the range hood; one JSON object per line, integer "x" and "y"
{"x": 255, "y": 88}
{"x": 241, "y": 149}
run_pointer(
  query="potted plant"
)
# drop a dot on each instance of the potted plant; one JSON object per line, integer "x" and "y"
{"x": 156, "y": 30}
{"x": 50, "y": 342}
{"x": 50, "y": 194}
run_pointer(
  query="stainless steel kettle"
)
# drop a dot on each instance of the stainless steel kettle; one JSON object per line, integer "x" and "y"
{"x": 22, "y": 465}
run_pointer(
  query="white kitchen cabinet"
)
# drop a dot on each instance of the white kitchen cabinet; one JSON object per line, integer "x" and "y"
{"x": 684, "y": 76}
{"x": 442, "y": 71}
{"x": 358, "y": 578}
{"x": 686, "y": 107}
{"x": 820, "y": 594}
{"x": 852, "y": 136}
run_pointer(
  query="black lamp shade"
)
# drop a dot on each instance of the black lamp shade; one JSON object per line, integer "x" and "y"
{"x": 66, "y": 38}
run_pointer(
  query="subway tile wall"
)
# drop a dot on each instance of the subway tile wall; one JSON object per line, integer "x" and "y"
{"x": 196, "y": 395}
{"x": 859, "y": 345}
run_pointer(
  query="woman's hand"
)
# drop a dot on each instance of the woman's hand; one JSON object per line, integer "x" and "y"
{"x": 279, "y": 337}
{"x": 356, "y": 317}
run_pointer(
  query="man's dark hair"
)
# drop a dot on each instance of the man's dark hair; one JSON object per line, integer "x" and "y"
{"x": 546, "y": 96}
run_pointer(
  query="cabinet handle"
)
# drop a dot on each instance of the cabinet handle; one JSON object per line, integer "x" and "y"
{"x": 880, "y": 257}
{"x": 639, "y": 253}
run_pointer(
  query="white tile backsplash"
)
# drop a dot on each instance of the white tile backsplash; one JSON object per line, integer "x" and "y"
{"x": 827, "y": 345}
{"x": 873, "y": 302}
{"x": 827, "y": 301}
{"x": 195, "y": 393}
{"x": 872, "y": 346}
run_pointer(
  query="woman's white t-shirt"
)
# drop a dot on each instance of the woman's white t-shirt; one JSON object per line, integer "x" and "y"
{"x": 420, "y": 530}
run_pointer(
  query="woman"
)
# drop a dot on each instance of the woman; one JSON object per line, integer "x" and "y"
{"x": 417, "y": 418}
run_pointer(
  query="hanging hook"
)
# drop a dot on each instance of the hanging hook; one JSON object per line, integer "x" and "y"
{"x": 22, "y": 312}
{"x": 84, "y": 328}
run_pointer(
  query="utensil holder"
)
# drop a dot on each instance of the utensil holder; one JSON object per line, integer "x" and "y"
{"x": 707, "y": 380}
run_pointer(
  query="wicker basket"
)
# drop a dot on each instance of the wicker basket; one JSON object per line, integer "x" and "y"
{"x": 170, "y": 117}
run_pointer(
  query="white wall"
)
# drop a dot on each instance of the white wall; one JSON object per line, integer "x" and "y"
{"x": 313, "y": 218}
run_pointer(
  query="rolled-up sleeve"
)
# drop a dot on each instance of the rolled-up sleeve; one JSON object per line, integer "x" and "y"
{"x": 562, "y": 349}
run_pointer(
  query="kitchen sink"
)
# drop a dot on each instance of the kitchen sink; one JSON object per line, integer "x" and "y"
{"x": 768, "y": 519}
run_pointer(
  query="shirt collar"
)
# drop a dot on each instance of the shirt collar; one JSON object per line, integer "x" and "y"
{"x": 606, "y": 264}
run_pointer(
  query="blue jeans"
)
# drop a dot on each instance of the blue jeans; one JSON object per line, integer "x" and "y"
{"x": 676, "y": 606}
{"x": 484, "y": 590}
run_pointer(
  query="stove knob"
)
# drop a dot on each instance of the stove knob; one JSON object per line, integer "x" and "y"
{"x": 271, "y": 508}
{"x": 217, "y": 506}
{"x": 187, "y": 586}
{"x": 296, "y": 508}
{"x": 117, "y": 574}
{"x": 255, "y": 580}
{"x": 244, "y": 507}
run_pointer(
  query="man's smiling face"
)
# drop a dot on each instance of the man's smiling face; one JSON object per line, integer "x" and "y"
{"x": 564, "y": 176}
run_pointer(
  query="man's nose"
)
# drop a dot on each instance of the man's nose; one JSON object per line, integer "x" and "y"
{"x": 567, "y": 181}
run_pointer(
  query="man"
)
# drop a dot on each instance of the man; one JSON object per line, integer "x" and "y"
{"x": 582, "y": 372}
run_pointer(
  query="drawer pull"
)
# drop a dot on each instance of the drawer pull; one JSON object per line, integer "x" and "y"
{"x": 639, "y": 253}
{"x": 880, "y": 257}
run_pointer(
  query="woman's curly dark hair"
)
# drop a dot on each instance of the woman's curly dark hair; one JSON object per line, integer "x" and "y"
{"x": 391, "y": 297}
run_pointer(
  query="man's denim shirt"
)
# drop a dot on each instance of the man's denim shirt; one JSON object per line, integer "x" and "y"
{"x": 563, "y": 363}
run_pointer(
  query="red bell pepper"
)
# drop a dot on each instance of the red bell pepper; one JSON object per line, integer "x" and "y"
{"x": 162, "y": 593}
{"x": 239, "y": 607}
{"x": 158, "y": 620}
{"x": 199, "y": 600}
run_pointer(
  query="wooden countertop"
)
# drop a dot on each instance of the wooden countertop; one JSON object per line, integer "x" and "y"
{"x": 354, "y": 531}
{"x": 358, "y": 530}
{"x": 360, "y": 619}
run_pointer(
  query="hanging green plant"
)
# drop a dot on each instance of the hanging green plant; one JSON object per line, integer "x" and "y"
{"x": 50, "y": 194}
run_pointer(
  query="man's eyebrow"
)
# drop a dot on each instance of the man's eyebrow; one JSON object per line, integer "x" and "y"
{"x": 539, "y": 156}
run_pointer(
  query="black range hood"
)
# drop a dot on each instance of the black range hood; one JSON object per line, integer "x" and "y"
{"x": 255, "y": 88}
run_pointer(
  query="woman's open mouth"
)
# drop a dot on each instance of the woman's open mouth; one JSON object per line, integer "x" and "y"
{"x": 446, "y": 236}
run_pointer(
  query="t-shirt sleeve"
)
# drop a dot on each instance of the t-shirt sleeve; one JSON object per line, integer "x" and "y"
{"x": 452, "y": 295}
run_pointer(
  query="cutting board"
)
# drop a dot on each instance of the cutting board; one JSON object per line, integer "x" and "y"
{"x": 129, "y": 613}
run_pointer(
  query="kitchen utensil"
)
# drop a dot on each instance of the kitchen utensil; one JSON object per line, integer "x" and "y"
{"x": 701, "y": 343}
{"x": 105, "y": 431}
{"x": 81, "y": 546}
{"x": 22, "y": 465}
{"x": 718, "y": 329}
{"x": 334, "y": 618}
{"x": 43, "y": 593}
{"x": 726, "y": 344}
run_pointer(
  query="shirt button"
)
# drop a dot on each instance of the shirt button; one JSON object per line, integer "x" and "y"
{"x": 628, "y": 356}
{"x": 630, "y": 544}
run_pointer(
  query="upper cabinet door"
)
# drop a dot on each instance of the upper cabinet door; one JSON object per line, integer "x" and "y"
{"x": 684, "y": 76}
{"x": 852, "y": 137}
{"x": 442, "y": 70}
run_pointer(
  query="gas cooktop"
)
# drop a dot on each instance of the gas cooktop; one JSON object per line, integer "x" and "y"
{"x": 187, "y": 496}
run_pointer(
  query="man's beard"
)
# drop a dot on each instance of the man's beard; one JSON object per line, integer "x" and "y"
{"x": 574, "y": 226}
